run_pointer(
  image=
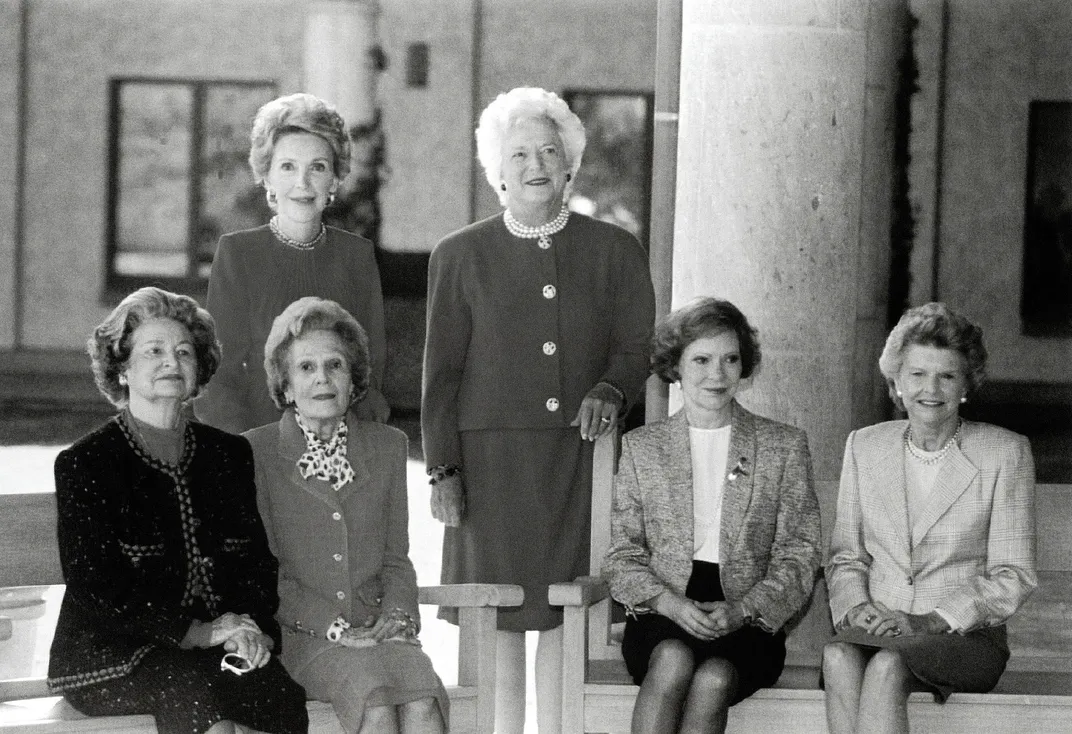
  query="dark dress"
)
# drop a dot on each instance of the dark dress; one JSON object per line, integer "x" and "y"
{"x": 147, "y": 547}
{"x": 517, "y": 335}
{"x": 254, "y": 277}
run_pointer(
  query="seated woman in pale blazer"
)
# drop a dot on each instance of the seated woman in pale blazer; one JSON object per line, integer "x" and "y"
{"x": 934, "y": 542}
{"x": 715, "y": 531}
{"x": 331, "y": 489}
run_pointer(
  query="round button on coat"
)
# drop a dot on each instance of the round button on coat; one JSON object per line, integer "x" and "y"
{"x": 549, "y": 291}
{"x": 340, "y": 594}
{"x": 552, "y": 404}
{"x": 549, "y": 348}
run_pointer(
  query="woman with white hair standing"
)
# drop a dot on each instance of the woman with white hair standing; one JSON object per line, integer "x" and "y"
{"x": 538, "y": 327}
{"x": 300, "y": 153}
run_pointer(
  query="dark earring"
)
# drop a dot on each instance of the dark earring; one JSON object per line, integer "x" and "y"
{"x": 503, "y": 186}
{"x": 569, "y": 176}
{"x": 270, "y": 195}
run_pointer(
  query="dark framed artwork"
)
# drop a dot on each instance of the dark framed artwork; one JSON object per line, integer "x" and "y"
{"x": 614, "y": 183}
{"x": 178, "y": 178}
{"x": 1046, "y": 300}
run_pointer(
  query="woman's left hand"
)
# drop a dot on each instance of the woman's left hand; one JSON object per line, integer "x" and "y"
{"x": 931, "y": 623}
{"x": 599, "y": 412}
{"x": 727, "y": 616}
{"x": 256, "y": 647}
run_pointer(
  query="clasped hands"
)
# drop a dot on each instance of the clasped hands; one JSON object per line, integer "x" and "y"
{"x": 394, "y": 625}
{"x": 238, "y": 634}
{"x": 703, "y": 620}
{"x": 877, "y": 619}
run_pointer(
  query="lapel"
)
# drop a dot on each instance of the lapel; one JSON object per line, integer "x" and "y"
{"x": 740, "y": 479}
{"x": 955, "y": 476}
{"x": 678, "y": 489}
{"x": 292, "y": 446}
{"x": 888, "y": 475}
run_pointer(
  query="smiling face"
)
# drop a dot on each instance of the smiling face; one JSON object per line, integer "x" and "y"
{"x": 302, "y": 175}
{"x": 931, "y": 382}
{"x": 162, "y": 366}
{"x": 534, "y": 166}
{"x": 318, "y": 379}
{"x": 710, "y": 370}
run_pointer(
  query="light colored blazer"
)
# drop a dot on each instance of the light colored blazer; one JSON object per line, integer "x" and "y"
{"x": 344, "y": 552}
{"x": 770, "y": 541}
{"x": 971, "y": 551}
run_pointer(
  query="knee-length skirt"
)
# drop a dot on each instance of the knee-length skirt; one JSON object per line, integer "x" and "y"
{"x": 758, "y": 656}
{"x": 947, "y": 663}
{"x": 187, "y": 693}
{"x": 354, "y": 679}
{"x": 527, "y": 519}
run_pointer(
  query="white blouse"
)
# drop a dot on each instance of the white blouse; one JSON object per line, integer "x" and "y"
{"x": 710, "y": 449}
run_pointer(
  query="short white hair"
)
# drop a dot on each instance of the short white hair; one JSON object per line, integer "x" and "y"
{"x": 525, "y": 103}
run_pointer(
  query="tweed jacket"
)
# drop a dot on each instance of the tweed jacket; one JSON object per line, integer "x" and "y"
{"x": 340, "y": 552}
{"x": 971, "y": 551}
{"x": 518, "y": 334}
{"x": 770, "y": 537}
{"x": 127, "y": 529}
{"x": 254, "y": 277}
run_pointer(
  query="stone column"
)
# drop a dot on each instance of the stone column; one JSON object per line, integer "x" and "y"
{"x": 338, "y": 37}
{"x": 783, "y": 195}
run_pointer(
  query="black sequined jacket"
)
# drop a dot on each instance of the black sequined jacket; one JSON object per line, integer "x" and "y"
{"x": 147, "y": 547}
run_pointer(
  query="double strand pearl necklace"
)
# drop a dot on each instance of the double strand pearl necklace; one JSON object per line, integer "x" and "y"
{"x": 543, "y": 232}
{"x": 273, "y": 223}
{"x": 930, "y": 457}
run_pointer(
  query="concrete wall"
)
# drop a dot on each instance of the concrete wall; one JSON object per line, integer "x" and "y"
{"x": 784, "y": 169}
{"x": 10, "y": 31}
{"x": 74, "y": 47}
{"x": 1000, "y": 55}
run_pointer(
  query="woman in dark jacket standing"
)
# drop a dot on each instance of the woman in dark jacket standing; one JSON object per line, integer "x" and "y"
{"x": 164, "y": 555}
{"x": 538, "y": 327}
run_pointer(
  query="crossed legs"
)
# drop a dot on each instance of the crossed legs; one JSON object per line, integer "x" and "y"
{"x": 679, "y": 696}
{"x": 866, "y": 691}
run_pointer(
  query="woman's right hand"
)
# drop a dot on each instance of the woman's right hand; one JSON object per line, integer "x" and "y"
{"x": 448, "y": 500}
{"x": 256, "y": 647}
{"x": 687, "y": 615}
{"x": 218, "y": 631}
{"x": 875, "y": 619}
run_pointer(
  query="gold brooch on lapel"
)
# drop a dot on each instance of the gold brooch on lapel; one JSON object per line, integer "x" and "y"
{"x": 739, "y": 470}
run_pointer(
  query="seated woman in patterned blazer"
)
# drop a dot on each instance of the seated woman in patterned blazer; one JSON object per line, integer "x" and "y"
{"x": 714, "y": 531}
{"x": 164, "y": 555}
{"x": 934, "y": 542}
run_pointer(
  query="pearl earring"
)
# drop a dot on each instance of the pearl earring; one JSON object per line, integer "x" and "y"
{"x": 270, "y": 195}
{"x": 964, "y": 399}
{"x": 899, "y": 394}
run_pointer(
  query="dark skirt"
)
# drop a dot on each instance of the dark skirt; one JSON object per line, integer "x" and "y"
{"x": 757, "y": 655}
{"x": 528, "y": 500}
{"x": 187, "y": 693}
{"x": 948, "y": 663}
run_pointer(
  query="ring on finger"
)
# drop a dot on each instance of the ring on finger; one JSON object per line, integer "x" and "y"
{"x": 604, "y": 419}
{"x": 869, "y": 619}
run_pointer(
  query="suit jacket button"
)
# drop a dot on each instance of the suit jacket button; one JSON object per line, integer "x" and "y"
{"x": 909, "y": 580}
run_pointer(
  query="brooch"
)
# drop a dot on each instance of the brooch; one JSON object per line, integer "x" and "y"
{"x": 739, "y": 470}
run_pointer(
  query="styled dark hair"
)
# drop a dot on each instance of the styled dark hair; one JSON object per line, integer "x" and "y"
{"x": 109, "y": 347}
{"x": 306, "y": 315}
{"x": 297, "y": 113}
{"x": 934, "y": 325}
{"x": 695, "y": 320}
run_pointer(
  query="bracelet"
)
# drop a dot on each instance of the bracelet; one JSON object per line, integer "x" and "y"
{"x": 617, "y": 391}
{"x": 409, "y": 624}
{"x": 441, "y": 472}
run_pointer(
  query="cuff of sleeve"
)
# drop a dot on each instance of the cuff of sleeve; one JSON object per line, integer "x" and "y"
{"x": 954, "y": 625}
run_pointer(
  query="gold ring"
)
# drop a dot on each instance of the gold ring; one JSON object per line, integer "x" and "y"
{"x": 604, "y": 420}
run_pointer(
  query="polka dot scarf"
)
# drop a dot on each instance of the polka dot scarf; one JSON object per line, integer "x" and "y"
{"x": 326, "y": 459}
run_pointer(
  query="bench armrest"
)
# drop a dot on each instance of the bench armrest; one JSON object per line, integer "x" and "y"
{"x": 472, "y": 595}
{"x": 582, "y": 592}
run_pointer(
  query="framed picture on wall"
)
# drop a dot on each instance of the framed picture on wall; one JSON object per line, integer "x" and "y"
{"x": 1046, "y": 300}
{"x": 614, "y": 183}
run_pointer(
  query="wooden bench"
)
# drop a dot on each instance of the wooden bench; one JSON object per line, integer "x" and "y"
{"x": 31, "y": 559}
{"x": 1033, "y": 697}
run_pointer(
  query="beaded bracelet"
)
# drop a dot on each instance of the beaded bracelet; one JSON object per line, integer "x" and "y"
{"x": 617, "y": 391}
{"x": 441, "y": 472}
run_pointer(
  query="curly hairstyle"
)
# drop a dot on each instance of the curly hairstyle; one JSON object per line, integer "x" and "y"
{"x": 109, "y": 347}
{"x": 297, "y": 113}
{"x": 697, "y": 319}
{"x": 306, "y": 315}
{"x": 525, "y": 103}
{"x": 934, "y": 325}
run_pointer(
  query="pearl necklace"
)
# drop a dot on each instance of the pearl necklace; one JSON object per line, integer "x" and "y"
{"x": 273, "y": 223}
{"x": 543, "y": 232}
{"x": 929, "y": 457}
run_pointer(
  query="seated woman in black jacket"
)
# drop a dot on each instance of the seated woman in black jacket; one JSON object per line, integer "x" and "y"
{"x": 171, "y": 587}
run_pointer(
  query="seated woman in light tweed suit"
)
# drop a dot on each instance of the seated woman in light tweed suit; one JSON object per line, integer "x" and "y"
{"x": 715, "y": 531}
{"x": 935, "y": 534}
